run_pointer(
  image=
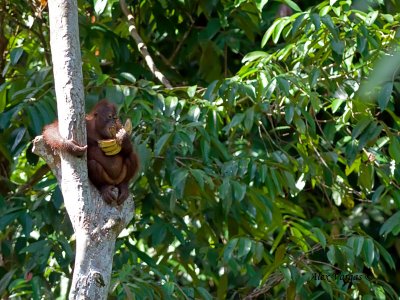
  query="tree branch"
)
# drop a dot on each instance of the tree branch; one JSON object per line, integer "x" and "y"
{"x": 96, "y": 224}
{"x": 178, "y": 48}
{"x": 142, "y": 46}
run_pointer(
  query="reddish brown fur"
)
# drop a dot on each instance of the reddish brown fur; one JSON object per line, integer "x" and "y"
{"x": 105, "y": 172}
{"x": 53, "y": 138}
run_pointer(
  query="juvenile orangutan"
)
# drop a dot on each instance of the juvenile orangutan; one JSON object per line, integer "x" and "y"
{"x": 112, "y": 162}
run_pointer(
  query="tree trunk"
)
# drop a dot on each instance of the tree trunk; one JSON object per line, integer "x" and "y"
{"x": 95, "y": 223}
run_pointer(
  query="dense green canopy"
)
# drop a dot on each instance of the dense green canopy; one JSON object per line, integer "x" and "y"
{"x": 270, "y": 170}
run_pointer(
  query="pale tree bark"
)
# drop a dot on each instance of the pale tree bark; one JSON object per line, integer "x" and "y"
{"x": 95, "y": 223}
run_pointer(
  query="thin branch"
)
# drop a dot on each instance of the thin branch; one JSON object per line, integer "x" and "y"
{"x": 273, "y": 280}
{"x": 178, "y": 48}
{"x": 142, "y": 46}
{"x": 34, "y": 179}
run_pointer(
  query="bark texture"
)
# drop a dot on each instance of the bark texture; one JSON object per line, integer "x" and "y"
{"x": 95, "y": 223}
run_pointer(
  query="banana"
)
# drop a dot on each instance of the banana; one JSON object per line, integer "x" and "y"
{"x": 113, "y": 146}
{"x": 112, "y": 151}
{"x": 109, "y": 147}
{"x": 107, "y": 143}
{"x": 128, "y": 126}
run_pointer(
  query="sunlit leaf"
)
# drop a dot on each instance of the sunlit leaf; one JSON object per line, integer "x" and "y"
{"x": 128, "y": 76}
{"x": 292, "y": 5}
{"x": 99, "y": 6}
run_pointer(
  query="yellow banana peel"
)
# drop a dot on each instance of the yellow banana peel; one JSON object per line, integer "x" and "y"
{"x": 109, "y": 147}
{"x": 107, "y": 143}
{"x": 128, "y": 126}
{"x": 112, "y": 151}
{"x": 112, "y": 146}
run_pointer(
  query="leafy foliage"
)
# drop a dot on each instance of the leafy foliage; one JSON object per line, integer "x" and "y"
{"x": 279, "y": 180}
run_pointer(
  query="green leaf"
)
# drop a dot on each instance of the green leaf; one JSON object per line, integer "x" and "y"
{"x": 313, "y": 78}
{"x": 366, "y": 178}
{"x": 255, "y": 55}
{"x": 169, "y": 288}
{"x": 249, "y": 119}
{"x": 316, "y": 20}
{"x": 315, "y": 101}
{"x": 358, "y": 245}
{"x": 276, "y": 34}
{"x": 244, "y": 247}
{"x": 325, "y": 10}
{"x": 284, "y": 85}
{"x": 7, "y": 218}
{"x": 292, "y": 5}
{"x": 385, "y": 94}
{"x": 199, "y": 176}
{"x": 136, "y": 117}
{"x": 222, "y": 287}
{"x": 161, "y": 144}
{"x": 15, "y": 55}
{"x": 368, "y": 252}
{"x": 205, "y": 149}
{"x": 237, "y": 119}
{"x": 3, "y": 98}
{"x": 280, "y": 254}
{"x": 248, "y": 90}
{"x": 331, "y": 255}
{"x": 239, "y": 190}
{"x": 210, "y": 92}
{"x": 388, "y": 17}
{"x": 194, "y": 113}
{"x": 178, "y": 177}
{"x": 327, "y": 20}
{"x": 212, "y": 28}
{"x": 386, "y": 255}
{"x": 361, "y": 125}
{"x": 204, "y": 293}
{"x": 128, "y": 76}
{"x": 289, "y": 113}
{"x": 377, "y": 194}
{"x": 191, "y": 91}
{"x": 338, "y": 46}
{"x": 270, "y": 88}
{"x": 34, "y": 247}
{"x": 35, "y": 119}
{"x": 228, "y": 251}
{"x": 320, "y": 236}
{"x": 392, "y": 225}
{"x": 297, "y": 23}
{"x": 336, "y": 103}
{"x": 159, "y": 233}
{"x": 337, "y": 197}
{"x": 300, "y": 125}
{"x": 269, "y": 32}
{"x": 5, "y": 280}
{"x": 327, "y": 288}
{"x": 170, "y": 105}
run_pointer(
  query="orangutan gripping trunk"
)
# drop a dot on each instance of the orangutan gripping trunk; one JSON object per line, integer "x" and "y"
{"x": 112, "y": 162}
